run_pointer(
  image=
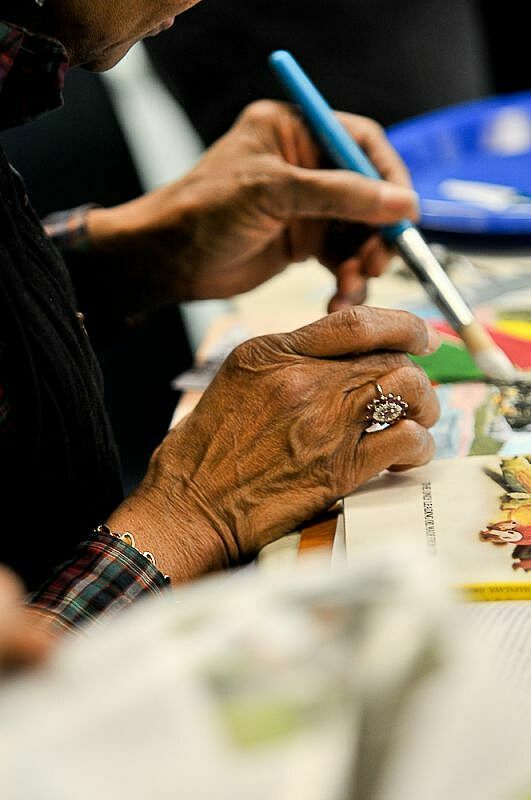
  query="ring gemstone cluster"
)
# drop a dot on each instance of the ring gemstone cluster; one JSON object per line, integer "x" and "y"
{"x": 386, "y": 409}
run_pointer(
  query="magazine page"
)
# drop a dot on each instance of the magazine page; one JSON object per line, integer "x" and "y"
{"x": 465, "y": 731}
{"x": 473, "y": 514}
{"x": 510, "y": 623}
{"x": 483, "y": 419}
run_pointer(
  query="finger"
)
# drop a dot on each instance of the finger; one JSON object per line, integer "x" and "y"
{"x": 10, "y": 591}
{"x": 362, "y": 329}
{"x": 338, "y": 194}
{"x": 372, "y": 139}
{"x": 351, "y": 287}
{"x": 356, "y": 242}
{"x": 375, "y": 257}
{"x": 342, "y": 241}
{"x": 279, "y": 124}
{"x": 351, "y": 275}
{"x": 410, "y": 384}
{"x": 404, "y": 445}
{"x": 22, "y": 645}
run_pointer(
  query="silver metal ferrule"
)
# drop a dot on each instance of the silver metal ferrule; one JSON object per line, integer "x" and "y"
{"x": 419, "y": 258}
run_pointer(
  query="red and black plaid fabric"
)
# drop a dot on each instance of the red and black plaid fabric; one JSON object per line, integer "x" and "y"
{"x": 103, "y": 577}
{"x": 32, "y": 72}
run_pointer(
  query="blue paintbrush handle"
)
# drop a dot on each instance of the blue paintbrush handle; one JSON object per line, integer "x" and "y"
{"x": 334, "y": 138}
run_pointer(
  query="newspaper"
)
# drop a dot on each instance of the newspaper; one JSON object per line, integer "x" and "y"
{"x": 344, "y": 684}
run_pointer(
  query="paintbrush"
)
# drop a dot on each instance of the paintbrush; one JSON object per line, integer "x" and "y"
{"x": 404, "y": 235}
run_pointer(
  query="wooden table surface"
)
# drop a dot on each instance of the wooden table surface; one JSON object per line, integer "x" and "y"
{"x": 319, "y": 533}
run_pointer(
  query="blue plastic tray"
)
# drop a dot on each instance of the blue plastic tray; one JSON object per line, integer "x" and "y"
{"x": 487, "y": 141}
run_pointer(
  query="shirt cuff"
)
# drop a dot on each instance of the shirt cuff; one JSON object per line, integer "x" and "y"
{"x": 104, "y": 576}
{"x": 68, "y": 229}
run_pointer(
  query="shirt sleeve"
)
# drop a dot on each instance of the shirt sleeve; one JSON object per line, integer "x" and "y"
{"x": 103, "y": 577}
{"x": 68, "y": 229}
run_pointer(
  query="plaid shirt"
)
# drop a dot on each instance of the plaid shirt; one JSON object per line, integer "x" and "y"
{"x": 32, "y": 74}
{"x": 104, "y": 574}
{"x": 32, "y": 71}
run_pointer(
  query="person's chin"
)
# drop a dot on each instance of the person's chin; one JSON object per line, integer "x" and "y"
{"x": 108, "y": 59}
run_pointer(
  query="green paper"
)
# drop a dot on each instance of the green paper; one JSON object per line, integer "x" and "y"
{"x": 449, "y": 364}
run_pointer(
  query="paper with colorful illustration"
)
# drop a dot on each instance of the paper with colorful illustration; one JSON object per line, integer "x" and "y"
{"x": 474, "y": 514}
{"x": 483, "y": 419}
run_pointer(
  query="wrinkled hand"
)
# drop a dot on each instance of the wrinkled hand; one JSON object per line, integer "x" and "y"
{"x": 280, "y": 434}
{"x": 256, "y": 202}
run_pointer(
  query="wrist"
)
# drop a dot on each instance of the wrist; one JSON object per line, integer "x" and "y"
{"x": 183, "y": 542}
{"x": 139, "y": 223}
{"x": 106, "y": 229}
{"x": 68, "y": 229}
{"x": 127, "y": 538}
{"x": 147, "y": 240}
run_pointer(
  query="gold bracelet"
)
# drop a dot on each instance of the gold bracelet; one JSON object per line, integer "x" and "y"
{"x": 129, "y": 539}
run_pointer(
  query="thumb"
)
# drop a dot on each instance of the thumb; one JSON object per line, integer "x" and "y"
{"x": 339, "y": 194}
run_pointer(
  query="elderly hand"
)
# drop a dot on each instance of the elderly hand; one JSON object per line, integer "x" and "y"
{"x": 256, "y": 202}
{"x": 279, "y": 435}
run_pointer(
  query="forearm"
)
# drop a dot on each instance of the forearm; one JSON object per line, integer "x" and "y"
{"x": 129, "y": 248}
{"x": 114, "y": 256}
{"x": 98, "y": 276}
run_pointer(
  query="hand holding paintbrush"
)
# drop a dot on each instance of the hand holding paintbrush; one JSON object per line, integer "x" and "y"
{"x": 405, "y": 237}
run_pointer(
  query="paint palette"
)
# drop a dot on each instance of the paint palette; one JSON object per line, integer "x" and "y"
{"x": 471, "y": 165}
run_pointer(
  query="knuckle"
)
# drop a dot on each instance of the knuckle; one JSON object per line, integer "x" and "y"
{"x": 289, "y": 188}
{"x": 414, "y": 384}
{"x": 370, "y": 195}
{"x": 392, "y": 361}
{"x": 409, "y": 321}
{"x": 245, "y": 355}
{"x": 410, "y": 330}
{"x": 293, "y": 389}
{"x": 356, "y": 321}
{"x": 260, "y": 111}
{"x": 272, "y": 188}
{"x": 416, "y": 438}
{"x": 376, "y": 366}
{"x": 362, "y": 127}
{"x": 416, "y": 380}
{"x": 372, "y": 127}
{"x": 265, "y": 357}
{"x": 277, "y": 380}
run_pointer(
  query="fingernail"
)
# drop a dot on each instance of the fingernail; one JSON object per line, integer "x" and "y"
{"x": 396, "y": 198}
{"x": 434, "y": 340}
